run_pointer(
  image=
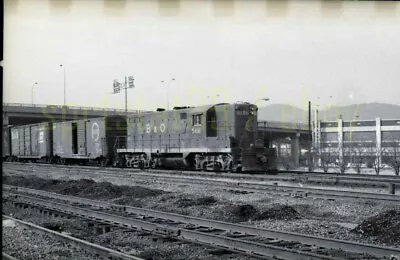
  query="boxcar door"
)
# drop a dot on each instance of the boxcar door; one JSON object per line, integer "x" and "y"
{"x": 82, "y": 138}
{"x": 35, "y": 135}
{"x": 27, "y": 140}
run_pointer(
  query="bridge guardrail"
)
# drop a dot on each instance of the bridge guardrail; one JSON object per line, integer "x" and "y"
{"x": 281, "y": 125}
{"x": 5, "y": 105}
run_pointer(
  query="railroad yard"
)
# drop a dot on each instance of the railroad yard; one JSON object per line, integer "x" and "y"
{"x": 199, "y": 215}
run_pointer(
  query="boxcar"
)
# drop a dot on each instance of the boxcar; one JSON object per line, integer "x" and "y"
{"x": 31, "y": 142}
{"x": 91, "y": 140}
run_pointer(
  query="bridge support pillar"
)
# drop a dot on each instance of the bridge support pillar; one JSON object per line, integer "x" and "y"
{"x": 295, "y": 150}
{"x": 278, "y": 149}
{"x": 5, "y": 120}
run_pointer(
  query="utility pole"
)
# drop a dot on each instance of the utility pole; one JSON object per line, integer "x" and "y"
{"x": 62, "y": 66}
{"x": 32, "y": 91}
{"x": 168, "y": 83}
{"x": 129, "y": 82}
{"x": 310, "y": 148}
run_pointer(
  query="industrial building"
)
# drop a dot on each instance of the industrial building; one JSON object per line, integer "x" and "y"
{"x": 348, "y": 141}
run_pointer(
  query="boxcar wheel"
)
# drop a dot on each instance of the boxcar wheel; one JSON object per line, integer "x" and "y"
{"x": 103, "y": 162}
{"x": 153, "y": 164}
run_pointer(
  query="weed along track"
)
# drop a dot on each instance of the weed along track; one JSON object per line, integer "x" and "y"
{"x": 255, "y": 242}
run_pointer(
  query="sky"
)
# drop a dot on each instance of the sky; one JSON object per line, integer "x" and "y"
{"x": 217, "y": 51}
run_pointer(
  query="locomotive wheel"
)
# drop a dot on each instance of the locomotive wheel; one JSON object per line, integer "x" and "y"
{"x": 103, "y": 162}
{"x": 141, "y": 165}
{"x": 230, "y": 167}
{"x": 63, "y": 161}
{"x": 217, "y": 166}
{"x": 204, "y": 166}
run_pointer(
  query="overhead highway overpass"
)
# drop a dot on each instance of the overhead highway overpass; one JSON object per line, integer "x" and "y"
{"x": 19, "y": 114}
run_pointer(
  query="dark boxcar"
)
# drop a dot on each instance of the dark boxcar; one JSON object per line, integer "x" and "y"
{"x": 94, "y": 139}
{"x": 32, "y": 142}
{"x": 6, "y": 143}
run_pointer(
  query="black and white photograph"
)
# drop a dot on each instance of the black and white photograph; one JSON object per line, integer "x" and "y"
{"x": 201, "y": 130}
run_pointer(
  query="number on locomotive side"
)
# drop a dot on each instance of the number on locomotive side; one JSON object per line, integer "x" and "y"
{"x": 196, "y": 130}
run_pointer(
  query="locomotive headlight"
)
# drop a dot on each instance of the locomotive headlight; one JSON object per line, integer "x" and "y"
{"x": 253, "y": 110}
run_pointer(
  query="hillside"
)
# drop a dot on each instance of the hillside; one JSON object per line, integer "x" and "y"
{"x": 367, "y": 111}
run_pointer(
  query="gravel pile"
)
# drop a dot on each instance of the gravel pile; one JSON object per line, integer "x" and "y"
{"x": 185, "y": 202}
{"x": 279, "y": 211}
{"x": 23, "y": 243}
{"x": 241, "y": 213}
{"x": 385, "y": 227}
{"x": 83, "y": 187}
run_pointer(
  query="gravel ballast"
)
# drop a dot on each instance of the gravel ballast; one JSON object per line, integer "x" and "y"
{"x": 325, "y": 218}
{"x": 23, "y": 243}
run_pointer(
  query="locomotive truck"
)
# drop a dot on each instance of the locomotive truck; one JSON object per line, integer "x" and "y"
{"x": 219, "y": 137}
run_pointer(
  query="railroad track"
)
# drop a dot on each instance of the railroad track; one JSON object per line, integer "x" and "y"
{"x": 262, "y": 243}
{"x": 5, "y": 256}
{"x": 227, "y": 184}
{"x": 290, "y": 176}
{"x": 101, "y": 251}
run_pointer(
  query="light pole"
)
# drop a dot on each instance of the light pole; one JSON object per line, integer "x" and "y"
{"x": 169, "y": 82}
{"x": 262, "y": 99}
{"x": 265, "y": 122}
{"x": 64, "y": 83}
{"x": 128, "y": 83}
{"x": 216, "y": 97}
{"x": 32, "y": 91}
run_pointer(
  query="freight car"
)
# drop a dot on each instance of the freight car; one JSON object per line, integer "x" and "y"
{"x": 215, "y": 137}
{"x": 30, "y": 142}
{"x": 79, "y": 141}
{"x": 90, "y": 141}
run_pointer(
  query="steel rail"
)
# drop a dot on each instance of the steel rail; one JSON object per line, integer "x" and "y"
{"x": 7, "y": 257}
{"x": 346, "y": 177}
{"x": 90, "y": 247}
{"x": 255, "y": 249}
{"x": 279, "y": 235}
{"x": 252, "y": 186}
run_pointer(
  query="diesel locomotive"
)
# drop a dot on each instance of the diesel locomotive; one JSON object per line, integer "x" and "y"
{"x": 219, "y": 137}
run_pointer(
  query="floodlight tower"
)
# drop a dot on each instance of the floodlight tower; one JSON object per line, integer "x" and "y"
{"x": 128, "y": 83}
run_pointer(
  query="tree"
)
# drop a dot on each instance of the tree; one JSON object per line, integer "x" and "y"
{"x": 374, "y": 157}
{"x": 358, "y": 155}
{"x": 342, "y": 163}
{"x": 326, "y": 159}
{"x": 392, "y": 156}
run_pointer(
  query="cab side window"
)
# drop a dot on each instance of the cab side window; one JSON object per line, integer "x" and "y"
{"x": 196, "y": 120}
